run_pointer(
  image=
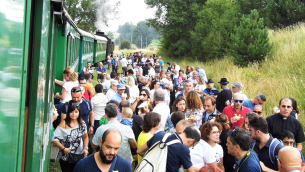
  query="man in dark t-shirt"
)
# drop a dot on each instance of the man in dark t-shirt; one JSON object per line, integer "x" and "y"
{"x": 106, "y": 159}
{"x": 179, "y": 153}
{"x": 225, "y": 96}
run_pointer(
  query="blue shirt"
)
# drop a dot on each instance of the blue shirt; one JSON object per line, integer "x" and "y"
{"x": 84, "y": 108}
{"x": 250, "y": 164}
{"x": 249, "y": 104}
{"x": 161, "y": 63}
{"x": 89, "y": 164}
{"x": 174, "y": 158}
{"x": 101, "y": 69}
{"x": 117, "y": 97}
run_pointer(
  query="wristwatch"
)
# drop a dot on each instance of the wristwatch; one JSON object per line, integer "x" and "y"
{"x": 91, "y": 126}
{"x": 86, "y": 148}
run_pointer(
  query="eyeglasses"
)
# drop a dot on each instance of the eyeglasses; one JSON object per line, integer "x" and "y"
{"x": 143, "y": 95}
{"x": 193, "y": 145}
{"x": 238, "y": 101}
{"x": 216, "y": 132}
{"x": 258, "y": 112}
{"x": 73, "y": 90}
{"x": 259, "y": 101}
{"x": 284, "y": 106}
{"x": 288, "y": 143}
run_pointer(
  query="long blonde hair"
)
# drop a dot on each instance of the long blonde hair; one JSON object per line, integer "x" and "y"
{"x": 72, "y": 75}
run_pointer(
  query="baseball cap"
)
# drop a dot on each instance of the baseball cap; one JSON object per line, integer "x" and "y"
{"x": 237, "y": 84}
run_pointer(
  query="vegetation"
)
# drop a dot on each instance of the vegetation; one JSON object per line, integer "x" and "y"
{"x": 249, "y": 41}
{"x": 202, "y": 29}
{"x": 125, "y": 44}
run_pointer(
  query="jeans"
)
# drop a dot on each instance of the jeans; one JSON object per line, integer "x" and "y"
{"x": 176, "y": 81}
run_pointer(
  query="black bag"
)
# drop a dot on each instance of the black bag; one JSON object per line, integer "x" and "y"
{"x": 74, "y": 158}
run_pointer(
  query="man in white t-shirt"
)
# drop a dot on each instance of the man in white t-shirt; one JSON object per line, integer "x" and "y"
{"x": 124, "y": 65}
{"x": 161, "y": 107}
{"x": 151, "y": 71}
{"x": 176, "y": 73}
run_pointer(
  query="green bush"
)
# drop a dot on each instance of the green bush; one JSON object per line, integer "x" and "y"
{"x": 250, "y": 42}
{"x": 125, "y": 44}
{"x": 211, "y": 36}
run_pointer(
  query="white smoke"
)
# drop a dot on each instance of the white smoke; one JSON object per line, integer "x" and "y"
{"x": 106, "y": 13}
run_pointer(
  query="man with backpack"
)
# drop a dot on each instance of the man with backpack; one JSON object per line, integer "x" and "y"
{"x": 266, "y": 147}
{"x": 173, "y": 151}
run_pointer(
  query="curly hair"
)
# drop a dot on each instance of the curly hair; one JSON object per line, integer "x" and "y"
{"x": 193, "y": 101}
{"x": 178, "y": 99}
{"x": 186, "y": 70}
{"x": 207, "y": 128}
{"x": 223, "y": 120}
{"x": 72, "y": 75}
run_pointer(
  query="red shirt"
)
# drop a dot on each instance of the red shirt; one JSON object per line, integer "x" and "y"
{"x": 87, "y": 96}
{"x": 231, "y": 112}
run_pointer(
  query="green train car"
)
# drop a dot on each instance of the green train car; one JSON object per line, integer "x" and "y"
{"x": 38, "y": 40}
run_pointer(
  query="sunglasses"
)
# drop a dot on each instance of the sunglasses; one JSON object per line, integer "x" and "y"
{"x": 284, "y": 106}
{"x": 74, "y": 104}
{"x": 238, "y": 101}
{"x": 143, "y": 95}
{"x": 258, "y": 112}
{"x": 76, "y": 90}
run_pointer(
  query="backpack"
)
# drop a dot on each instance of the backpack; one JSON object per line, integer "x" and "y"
{"x": 155, "y": 158}
{"x": 274, "y": 143}
{"x": 113, "y": 61}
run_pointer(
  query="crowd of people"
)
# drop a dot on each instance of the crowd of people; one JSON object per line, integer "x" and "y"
{"x": 127, "y": 113}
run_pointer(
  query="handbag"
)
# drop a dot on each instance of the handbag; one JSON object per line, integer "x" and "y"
{"x": 73, "y": 158}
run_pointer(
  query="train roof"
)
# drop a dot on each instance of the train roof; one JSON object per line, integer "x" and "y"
{"x": 80, "y": 31}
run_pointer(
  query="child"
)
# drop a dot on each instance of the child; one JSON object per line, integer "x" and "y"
{"x": 126, "y": 117}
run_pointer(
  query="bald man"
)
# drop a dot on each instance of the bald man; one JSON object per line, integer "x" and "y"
{"x": 106, "y": 159}
{"x": 289, "y": 160}
{"x": 181, "y": 126}
{"x": 236, "y": 113}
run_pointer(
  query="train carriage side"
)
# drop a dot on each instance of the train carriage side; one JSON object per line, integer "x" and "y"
{"x": 100, "y": 44}
{"x": 86, "y": 49}
{"x": 67, "y": 48}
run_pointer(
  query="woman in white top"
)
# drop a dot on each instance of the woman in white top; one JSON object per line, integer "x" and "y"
{"x": 133, "y": 89}
{"x": 194, "y": 109}
{"x": 201, "y": 86}
{"x": 71, "y": 81}
{"x": 71, "y": 137}
{"x": 210, "y": 132}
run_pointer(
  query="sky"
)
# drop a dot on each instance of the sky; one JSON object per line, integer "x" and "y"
{"x": 129, "y": 11}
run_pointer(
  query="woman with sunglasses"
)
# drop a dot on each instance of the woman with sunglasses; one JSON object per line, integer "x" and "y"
{"x": 228, "y": 160}
{"x": 71, "y": 137}
{"x": 194, "y": 109}
{"x": 144, "y": 97}
{"x": 210, "y": 132}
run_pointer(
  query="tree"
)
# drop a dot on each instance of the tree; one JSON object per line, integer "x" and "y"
{"x": 250, "y": 42}
{"x": 276, "y": 13}
{"x": 175, "y": 20}
{"x": 211, "y": 35}
{"x": 141, "y": 31}
{"x": 110, "y": 35}
{"x": 125, "y": 44}
{"x": 282, "y": 13}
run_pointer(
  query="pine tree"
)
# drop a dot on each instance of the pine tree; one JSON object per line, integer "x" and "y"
{"x": 250, "y": 42}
